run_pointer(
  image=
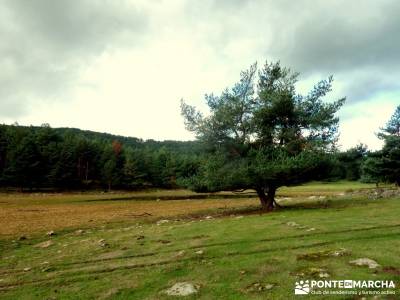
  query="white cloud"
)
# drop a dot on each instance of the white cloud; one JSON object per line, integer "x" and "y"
{"x": 125, "y": 70}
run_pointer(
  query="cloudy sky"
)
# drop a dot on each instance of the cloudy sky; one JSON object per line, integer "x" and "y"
{"x": 122, "y": 66}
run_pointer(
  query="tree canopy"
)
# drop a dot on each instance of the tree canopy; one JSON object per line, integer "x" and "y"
{"x": 384, "y": 165}
{"x": 264, "y": 136}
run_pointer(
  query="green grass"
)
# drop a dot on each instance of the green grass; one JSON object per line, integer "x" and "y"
{"x": 238, "y": 252}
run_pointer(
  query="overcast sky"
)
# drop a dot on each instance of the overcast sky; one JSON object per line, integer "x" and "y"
{"x": 123, "y": 66}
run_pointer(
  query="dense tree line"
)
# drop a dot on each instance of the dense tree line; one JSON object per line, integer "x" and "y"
{"x": 381, "y": 166}
{"x": 63, "y": 158}
{"x": 67, "y": 158}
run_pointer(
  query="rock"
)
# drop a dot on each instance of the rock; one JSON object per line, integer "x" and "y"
{"x": 79, "y": 232}
{"x": 162, "y": 222}
{"x": 45, "y": 244}
{"x": 209, "y": 217}
{"x": 292, "y": 224}
{"x": 365, "y": 262}
{"x": 27, "y": 269}
{"x": 51, "y": 233}
{"x": 259, "y": 287}
{"x": 242, "y": 272}
{"x": 103, "y": 243}
{"x": 323, "y": 254}
{"x": 239, "y": 217}
{"x": 181, "y": 253}
{"x": 140, "y": 237}
{"x": 340, "y": 252}
{"x": 182, "y": 289}
{"x": 200, "y": 252}
{"x": 313, "y": 272}
{"x": 323, "y": 275}
{"x": 310, "y": 229}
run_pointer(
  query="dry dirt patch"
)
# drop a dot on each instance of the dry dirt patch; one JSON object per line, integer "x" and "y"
{"x": 21, "y": 217}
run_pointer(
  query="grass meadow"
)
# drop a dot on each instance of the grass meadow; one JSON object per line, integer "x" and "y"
{"x": 137, "y": 245}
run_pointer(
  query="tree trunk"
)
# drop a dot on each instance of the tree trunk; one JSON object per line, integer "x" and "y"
{"x": 267, "y": 200}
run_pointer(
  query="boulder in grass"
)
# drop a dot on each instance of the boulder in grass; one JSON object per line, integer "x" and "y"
{"x": 370, "y": 263}
{"x": 182, "y": 289}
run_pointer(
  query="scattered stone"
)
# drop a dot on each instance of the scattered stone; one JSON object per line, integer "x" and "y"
{"x": 292, "y": 224}
{"x": 103, "y": 243}
{"x": 242, "y": 272}
{"x": 181, "y": 253}
{"x": 182, "y": 289}
{"x": 310, "y": 229}
{"x": 209, "y": 217}
{"x": 51, "y": 233}
{"x": 365, "y": 262}
{"x": 200, "y": 252}
{"x": 323, "y": 254}
{"x": 27, "y": 269}
{"x": 162, "y": 222}
{"x": 45, "y": 244}
{"x": 259, "y": 287}
{"x": 323, "y": 275}
{"x": 48, "y": 269}
{"x": 79, "y": 232}
{"x": 312, "y": 197}
{"x": 340, "y": 252}
{"x": 239, "y": 217}
{"x": 164, "y": 241}
{"x": 313, "y": 272}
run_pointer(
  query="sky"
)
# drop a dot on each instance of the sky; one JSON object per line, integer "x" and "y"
{"x": 122, "y": 66}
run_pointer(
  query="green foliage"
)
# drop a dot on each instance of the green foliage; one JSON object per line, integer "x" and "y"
{"x": 347, "y": 165}
{"x": 384, "y": 165}
{"x": 43, "y": 157}
{"x": 267, "y": 139}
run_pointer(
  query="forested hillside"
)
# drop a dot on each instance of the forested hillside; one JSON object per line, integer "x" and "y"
{"x": 65, "y": 158}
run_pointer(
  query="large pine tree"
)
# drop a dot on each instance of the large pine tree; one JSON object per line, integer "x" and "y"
{"x": 264, "y": 137}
